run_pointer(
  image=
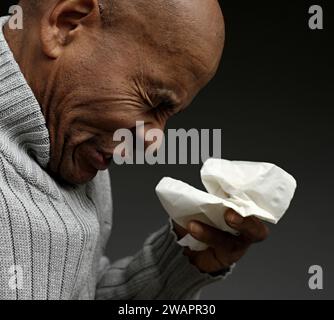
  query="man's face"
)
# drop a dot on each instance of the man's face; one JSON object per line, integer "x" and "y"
{"x": 109, "y": 81}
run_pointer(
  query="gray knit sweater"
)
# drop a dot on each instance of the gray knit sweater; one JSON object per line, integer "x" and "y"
{"x": 54, "y": 236}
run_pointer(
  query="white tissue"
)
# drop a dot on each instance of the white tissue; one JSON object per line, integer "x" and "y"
{"x": 250, "y": 188}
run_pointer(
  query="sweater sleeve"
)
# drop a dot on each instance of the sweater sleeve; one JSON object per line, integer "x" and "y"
{"x": 159, "y": 271}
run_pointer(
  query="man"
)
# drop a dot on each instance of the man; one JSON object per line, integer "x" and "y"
{"x": 78, "y": 71}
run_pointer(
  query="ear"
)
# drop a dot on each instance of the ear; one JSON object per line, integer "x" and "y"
{"x": 65, "y": 21}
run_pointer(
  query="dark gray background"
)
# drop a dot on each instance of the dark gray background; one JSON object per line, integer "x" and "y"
{"x": 273, "y": 99}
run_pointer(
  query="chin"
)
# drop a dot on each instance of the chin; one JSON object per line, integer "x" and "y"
{"x": 77, "y": 176}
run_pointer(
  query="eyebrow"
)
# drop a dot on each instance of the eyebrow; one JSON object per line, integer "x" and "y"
{"x": 163, "y": 94}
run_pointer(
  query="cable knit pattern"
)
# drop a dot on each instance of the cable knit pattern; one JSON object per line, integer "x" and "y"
{"x": 54, "y": 235}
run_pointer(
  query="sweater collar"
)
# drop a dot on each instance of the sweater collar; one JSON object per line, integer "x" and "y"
{"x": 21, "y": 118}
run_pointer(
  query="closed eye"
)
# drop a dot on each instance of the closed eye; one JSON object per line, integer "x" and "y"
{"x": 167, "y": 107}
{"x": 162, "y": 100}
{"x": 166, "y": 104}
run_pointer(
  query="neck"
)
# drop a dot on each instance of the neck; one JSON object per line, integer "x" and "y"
{"x": 21, "y": 44}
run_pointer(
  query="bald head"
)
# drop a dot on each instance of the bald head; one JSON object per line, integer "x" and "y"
{"x": 192, "y": 28}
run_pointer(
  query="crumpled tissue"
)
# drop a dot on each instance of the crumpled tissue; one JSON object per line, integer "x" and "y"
{"x": 255, "y": 189}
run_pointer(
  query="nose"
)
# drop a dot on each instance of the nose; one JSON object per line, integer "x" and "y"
{"x": 148, "y": 133}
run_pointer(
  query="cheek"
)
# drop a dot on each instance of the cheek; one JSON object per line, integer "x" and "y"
{"x": 129, "y": 120}
{"x": 77, "y": 136}
{"x": 117, "y": 119}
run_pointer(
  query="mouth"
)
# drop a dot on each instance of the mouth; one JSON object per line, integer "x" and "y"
{"x": 98, "y": 159}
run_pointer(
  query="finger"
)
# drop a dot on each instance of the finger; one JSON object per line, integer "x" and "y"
{"x": 250, "y": 228}
{"x": 179, "y": 231}
{"x": 213, "y": 237}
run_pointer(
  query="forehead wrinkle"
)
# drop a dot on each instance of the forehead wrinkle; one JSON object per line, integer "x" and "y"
{"x": 199, "y": 69}
{"x": 182, "y": 51}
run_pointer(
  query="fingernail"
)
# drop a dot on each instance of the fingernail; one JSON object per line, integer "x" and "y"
{"x": 195, "y": 228}
{"x": 235, "y": 218}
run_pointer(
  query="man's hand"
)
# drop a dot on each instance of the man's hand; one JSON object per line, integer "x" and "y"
{"x": 224, "y": 248}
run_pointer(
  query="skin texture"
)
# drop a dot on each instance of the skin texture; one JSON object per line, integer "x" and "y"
{"x": 147, "y": 65}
